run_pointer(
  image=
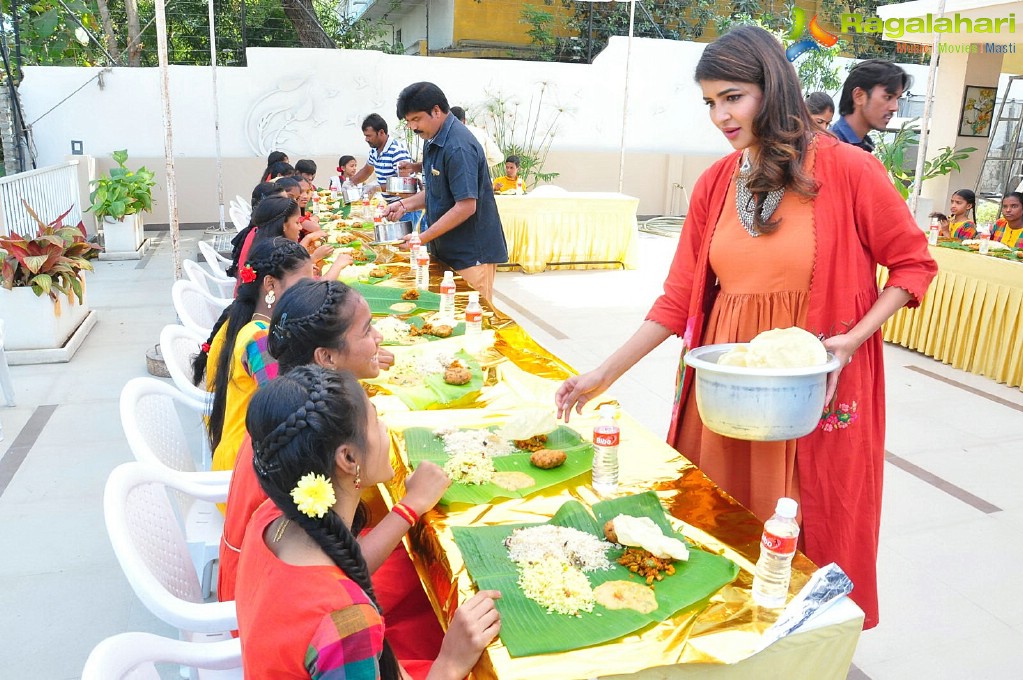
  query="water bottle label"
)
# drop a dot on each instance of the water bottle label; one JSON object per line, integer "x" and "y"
{"x": 610, "y": 438}
{"x": 473, "y": 317}
{"x": 779, "y": 544}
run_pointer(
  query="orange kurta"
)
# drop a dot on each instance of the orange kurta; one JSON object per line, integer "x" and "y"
{"x": 773, "y": 294}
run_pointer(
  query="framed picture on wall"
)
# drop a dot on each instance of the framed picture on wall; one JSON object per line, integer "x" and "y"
{"x": 978, "y": 109}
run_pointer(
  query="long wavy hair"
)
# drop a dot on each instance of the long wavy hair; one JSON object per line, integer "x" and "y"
{"x": 297, "y": 423}
{"x": 783, "y": 127}
{"x": 273, "y": 257}
{"x": 309, "y": 315}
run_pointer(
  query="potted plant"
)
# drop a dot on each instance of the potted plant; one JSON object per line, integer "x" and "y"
{"x": 118, "y": 202}
{"x": 42, "y": 299}
{"x": 892, "y": 154}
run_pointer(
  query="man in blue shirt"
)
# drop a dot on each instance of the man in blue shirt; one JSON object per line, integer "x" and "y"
{"x": 870, "y": 97}
{"x": 465, "y": 228}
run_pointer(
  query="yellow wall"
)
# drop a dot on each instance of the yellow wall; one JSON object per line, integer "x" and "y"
{"x": 495, "y": 22}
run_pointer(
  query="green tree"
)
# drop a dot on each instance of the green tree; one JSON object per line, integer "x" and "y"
{"x": 50, "y": 35}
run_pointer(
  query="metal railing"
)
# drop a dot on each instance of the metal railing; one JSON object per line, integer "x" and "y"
{"x": 50, "y": 191}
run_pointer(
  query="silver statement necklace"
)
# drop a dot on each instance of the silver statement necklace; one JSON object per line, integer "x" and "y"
{"x": 745, "y": 204}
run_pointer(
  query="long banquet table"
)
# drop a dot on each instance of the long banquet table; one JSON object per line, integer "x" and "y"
{"x": 971, "y": 317}
{"x": 577, "y": 230}
{"x": 716, "y": 639}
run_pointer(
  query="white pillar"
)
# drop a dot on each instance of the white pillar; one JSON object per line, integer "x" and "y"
{"x": 955, "y": 72}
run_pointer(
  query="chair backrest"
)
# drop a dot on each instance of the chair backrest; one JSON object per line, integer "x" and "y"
{"x": 150, "y": 544}
{"x": 217, "y": 262}
{"x": 131, "y": 656}
{"x": 240, "y": 216}
{"x": 179, "y": 345}
{"x": 152, "y": 423}
{"x": 214, "y": 285}
{"x": 196, "y": 308}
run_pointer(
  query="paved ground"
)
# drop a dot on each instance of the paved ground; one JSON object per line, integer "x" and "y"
{"x": 950, "y": 535}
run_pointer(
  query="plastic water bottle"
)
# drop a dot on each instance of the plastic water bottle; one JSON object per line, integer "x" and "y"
{"x": 423, "y": 266}
{"x": 932, "y": 235}
{"x": 414, "y": 243}
{"x": 985, "y": 239}
{"x": 447, "y": 296}
{"x": 473, "y": 315}
{"x": 777, "y": 547}
{"x": 606, "y": 436}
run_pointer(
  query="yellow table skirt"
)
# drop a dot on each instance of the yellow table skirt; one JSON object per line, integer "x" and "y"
{"x": 599, "y": 229}
{"x": 971, "y": 317}
{"x": 714, "y": 640}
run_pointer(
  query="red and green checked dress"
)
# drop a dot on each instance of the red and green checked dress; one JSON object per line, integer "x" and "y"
{"x": 302, "y": 622}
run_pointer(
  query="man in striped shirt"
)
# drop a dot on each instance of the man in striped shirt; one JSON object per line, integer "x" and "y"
{"x": 385, "y": 152}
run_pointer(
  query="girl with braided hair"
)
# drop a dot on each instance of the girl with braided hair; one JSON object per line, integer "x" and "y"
{"x": 324, "y": 323}
{"x": 238, "y": 342}
{"x": 306, "y": 605}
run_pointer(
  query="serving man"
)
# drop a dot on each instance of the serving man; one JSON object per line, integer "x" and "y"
{"x": 385, "y": 152}
{"x": 870, "y": 97}
{"x": 465, "y": 228}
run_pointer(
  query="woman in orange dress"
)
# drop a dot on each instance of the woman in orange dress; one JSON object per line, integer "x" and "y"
{"x": 306, "y": 605}
{"x": 787, "y": 230}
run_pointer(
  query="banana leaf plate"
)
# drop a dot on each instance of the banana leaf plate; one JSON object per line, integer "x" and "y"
{"x": 433, "y": 393}
{"x": 383, "y": 300}
{"x": 422, "y": 444}
{"x": 528, "y": 629}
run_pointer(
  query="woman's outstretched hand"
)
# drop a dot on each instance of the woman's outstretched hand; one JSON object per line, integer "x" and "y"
{"x": 578, "y": 390}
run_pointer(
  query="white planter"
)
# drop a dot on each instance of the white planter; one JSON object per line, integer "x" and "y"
{"x": 32, "y": 322}
{"x": 124, "y": 235}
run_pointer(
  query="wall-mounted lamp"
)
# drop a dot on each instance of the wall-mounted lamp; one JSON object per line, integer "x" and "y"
{"x": 77, "y": 147}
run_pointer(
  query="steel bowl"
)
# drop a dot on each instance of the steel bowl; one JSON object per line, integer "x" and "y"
{"x": 402, "y": 185}
{"x": 758, "y": 404}
{"x": 390, "y": 232}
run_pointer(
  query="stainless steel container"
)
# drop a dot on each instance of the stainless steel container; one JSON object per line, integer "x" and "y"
{"x": 402, "y": 185}
{"x": 351, "y": 195}
{"x": 384, "y": 232}
{"x": 758, "y": 404}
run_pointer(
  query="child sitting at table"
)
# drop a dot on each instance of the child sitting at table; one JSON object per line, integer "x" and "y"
{"x": 306, "y": 169}
{"x": 959, "y": 222}
{"x": 347, "y": 166}
{"x": 1009, "y": 227}
{"x": 510, "y": 183}
{"x": 306, "y": 605}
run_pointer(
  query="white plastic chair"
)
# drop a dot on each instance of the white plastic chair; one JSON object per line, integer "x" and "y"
{"x": 144, "y": 530}
{"x": 217, "y": 262}
{"x": 151, "y": 420}
{"x": 132, "y": 656}
{"x": 179, "y": 345}
{"x": 196, "y": 308}
{"x": 239, "y": 216}
{"x": 243, "y": 208}
{"x": 214, "y": 285}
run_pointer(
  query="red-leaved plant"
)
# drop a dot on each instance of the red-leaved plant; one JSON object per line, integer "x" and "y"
{"x": 51, "y": 262}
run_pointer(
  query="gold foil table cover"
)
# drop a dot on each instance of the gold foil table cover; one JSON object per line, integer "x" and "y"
{"x": 970, "y": 318}
{"x": 593, "y": 230}
{"x": 726, "y": 630}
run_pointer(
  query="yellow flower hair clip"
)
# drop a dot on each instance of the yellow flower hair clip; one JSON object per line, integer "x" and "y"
{"x": 314, "y": 495}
